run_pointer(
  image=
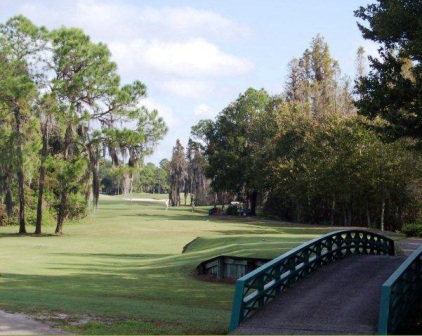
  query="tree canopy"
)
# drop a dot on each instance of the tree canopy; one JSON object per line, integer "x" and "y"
{"x": 62, "y": 109}
{"x": 393, "y": 88}
{"x": 308, "y": 155}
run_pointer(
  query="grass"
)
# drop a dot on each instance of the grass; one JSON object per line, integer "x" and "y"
{"x": 122, "y": 270}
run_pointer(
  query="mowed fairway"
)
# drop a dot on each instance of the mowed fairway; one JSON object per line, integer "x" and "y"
{"x": 122, "y": 270}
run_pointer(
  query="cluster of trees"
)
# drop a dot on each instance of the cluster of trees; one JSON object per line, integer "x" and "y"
{"x": 63, "y": 108}
{"x": 147, "y": 178}
{"x": 187, "y": 176}
{"x": 307, "y": 154}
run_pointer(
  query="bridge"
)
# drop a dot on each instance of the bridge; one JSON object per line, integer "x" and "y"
{"x": 361, "y": 287}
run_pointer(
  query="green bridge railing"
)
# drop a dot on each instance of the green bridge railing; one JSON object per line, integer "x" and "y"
{"x": 255, "y": 289}
{"x": 399, "y": 292}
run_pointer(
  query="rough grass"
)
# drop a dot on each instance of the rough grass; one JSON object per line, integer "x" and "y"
{"x": 122, "y": 270}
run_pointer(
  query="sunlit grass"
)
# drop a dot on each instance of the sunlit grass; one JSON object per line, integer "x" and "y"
{"x": 122, "y": 270}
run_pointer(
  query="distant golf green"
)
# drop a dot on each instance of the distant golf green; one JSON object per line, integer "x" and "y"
{"x": 122, "y": 270}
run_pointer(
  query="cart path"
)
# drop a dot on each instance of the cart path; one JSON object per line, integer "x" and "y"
{"x": 20, "y": 324}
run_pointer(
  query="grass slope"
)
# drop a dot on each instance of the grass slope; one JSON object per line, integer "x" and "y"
{"x": 122, "y": 270}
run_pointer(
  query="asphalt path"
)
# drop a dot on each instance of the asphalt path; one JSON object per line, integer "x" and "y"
{"x": 409, "y": 245}
{"x": 340, "y": 298}
{"x": 20, "y": 324}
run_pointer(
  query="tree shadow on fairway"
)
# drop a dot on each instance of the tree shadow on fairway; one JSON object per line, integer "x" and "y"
{"x": 116, "y": 256}
{"x": 147, "y": 296}
{"x": 14, "y": 235}
{"x": 170, "y": 216}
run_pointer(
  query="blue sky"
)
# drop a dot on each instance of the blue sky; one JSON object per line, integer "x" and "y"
{"x": 197, "y": 56}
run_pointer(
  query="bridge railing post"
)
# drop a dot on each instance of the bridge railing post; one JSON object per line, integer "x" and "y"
{"x": 237, "y": 309}
{"x": 399, "y": 293}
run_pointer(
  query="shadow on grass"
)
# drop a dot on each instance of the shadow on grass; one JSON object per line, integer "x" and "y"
{"x": 11, "y": 235}
{"x": 169, "y": 216}
{"x": 115, "y": 256}
{"x": 165, "y": 293}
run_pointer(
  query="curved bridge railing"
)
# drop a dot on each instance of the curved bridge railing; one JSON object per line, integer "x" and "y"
{"x": 399, "y": 292}
{"x": 255, "y": 289}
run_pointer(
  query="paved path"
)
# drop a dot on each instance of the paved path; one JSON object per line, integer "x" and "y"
{"x": 409, "y": 245}
{"x": 20, "y": 324}
{"x": 340, "y": 298}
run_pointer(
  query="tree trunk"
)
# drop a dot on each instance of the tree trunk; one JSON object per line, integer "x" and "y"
{"x": 349, "y": 214}
{"x": 254, "y": 197}
{"x": 62, "y": 212}
{"x": 21, "y": 190}
{"x": 9, "y": 197}
{"x": 41, "y": 181}
{"x": 298, "y": 213}
{"x": 63, "y": 197}
{"x": 368, "y": 216}
{"x": 333, "y": 209}
{"x": 382, "y": 212}
{"x": 96, "y": 183}
{"x": 126, "y": 183}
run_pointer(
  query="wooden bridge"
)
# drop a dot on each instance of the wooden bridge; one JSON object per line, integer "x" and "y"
{"x": 361, "y": 287}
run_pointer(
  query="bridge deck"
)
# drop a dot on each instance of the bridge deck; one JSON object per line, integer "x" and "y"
{"x": 340, "y": 298}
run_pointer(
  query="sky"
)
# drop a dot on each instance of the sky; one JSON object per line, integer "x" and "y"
{"x": 197, "y": 56}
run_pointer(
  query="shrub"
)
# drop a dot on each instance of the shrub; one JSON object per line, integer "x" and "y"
{"x": 412, "y": 230}
{"x": 77, "y": 207}
{"x": 232, "y": 210}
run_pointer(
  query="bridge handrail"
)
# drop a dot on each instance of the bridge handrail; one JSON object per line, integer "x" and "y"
{"x": 399, "y": 292}
{"x": 255, "y": 289}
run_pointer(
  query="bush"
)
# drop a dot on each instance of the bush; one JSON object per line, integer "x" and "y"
{"x": 77, "y": 207}
{"x": 412, "y": 230}
{"x": 232, "y": 210}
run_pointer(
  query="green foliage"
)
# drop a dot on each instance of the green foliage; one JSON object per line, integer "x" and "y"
{"x": 54, "y": 86}
{"x": 78, "y": 206}
{"x": 392, "y": 89}
{"x": 232, "y": 210}
{"x": 412, "y": 230}
{"x": 229, "y": 149}
{"x": 309, "y": 155}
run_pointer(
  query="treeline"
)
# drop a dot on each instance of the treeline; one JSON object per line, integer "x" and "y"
{"x": 147, "y": 178}
{"x": 62, "y": 109}
{"x": 307, "y": 156}
{"x": 187, "y": 175}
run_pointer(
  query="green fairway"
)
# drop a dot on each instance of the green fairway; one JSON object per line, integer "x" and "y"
{"x": 122, "y": 270}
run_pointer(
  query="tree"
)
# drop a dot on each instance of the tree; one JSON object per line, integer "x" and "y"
{"x": 198, "y": 182}
{"x": 128, "y": 146}
{"x": 61, "y": 107}
{"x": 146, "y": 178}
{"x": 229, "y": 149}
{"x": 392, "y": 90}
{"x": 20, "y": 44}
{"x": 83, "y": 75}
{"x": 178, "y": 173}
{"x": 315, "y": 84}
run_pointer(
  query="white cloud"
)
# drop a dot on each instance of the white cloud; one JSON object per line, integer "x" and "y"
{"x": 174, "y": 48}
{"x": 188, "y": 88}
{"x": 178, "y": 52}
{"x": 122, "y": 21}
{"x": 188, "y": 22}
{"x": 195, "y": 58}
{"x": 167, "y": 113}
{"x": 203, "y": 111}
